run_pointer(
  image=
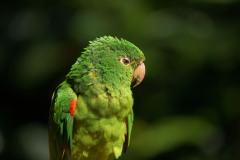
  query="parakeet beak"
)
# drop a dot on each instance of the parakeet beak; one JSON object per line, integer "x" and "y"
{"x": 138, "y": 74}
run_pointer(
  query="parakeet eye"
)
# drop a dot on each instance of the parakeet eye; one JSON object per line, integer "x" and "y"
{"x": 125, "y": 61}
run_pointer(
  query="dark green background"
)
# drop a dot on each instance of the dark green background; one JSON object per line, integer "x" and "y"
{"x": 187, "y": 107}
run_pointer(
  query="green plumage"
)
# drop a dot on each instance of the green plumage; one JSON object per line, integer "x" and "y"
{"x": 99, "y": 128}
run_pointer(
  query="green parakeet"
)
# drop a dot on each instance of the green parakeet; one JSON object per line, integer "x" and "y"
{"x": 91, "y": 114}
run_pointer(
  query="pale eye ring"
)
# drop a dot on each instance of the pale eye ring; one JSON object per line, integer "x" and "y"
{"x": 125, "y": 61}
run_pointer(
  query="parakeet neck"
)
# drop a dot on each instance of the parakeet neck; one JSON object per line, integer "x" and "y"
{"x": 86, "y": 79}
{"x": 92, "y": 84}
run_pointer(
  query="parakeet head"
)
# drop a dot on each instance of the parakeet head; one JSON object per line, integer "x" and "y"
{"x": 109, "y": 61}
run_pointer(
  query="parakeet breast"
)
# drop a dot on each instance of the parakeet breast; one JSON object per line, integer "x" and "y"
{"x": 100, "y": 124}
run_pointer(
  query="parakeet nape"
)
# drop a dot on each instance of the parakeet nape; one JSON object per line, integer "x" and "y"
{"x": 91, "y": 113}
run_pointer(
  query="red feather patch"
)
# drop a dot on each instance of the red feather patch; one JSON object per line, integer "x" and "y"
{"x": 73, "y": 104}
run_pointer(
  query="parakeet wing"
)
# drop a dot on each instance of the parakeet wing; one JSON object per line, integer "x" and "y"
{"x": 61, "y": 120}
{"x": 129, "y": 124}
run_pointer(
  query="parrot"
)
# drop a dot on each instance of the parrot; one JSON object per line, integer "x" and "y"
{"x": 91, "y": 112}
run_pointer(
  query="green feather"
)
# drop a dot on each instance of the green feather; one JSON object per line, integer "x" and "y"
{"x": 61, "y": 122}
{"x": 130, "y": 125}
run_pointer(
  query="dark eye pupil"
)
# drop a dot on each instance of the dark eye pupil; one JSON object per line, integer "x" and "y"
{"x": 126, "y": 61}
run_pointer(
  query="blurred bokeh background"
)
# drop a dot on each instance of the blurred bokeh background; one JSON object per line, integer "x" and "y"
{"x": 187, "y": 107}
